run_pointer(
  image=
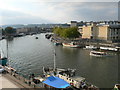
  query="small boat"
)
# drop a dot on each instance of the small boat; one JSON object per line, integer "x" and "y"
{"x": 98, "y": 53}
{"x": 36, "y": 37}
{"x": 48, "y": 36}
{"x": 110, "y": 48}
{"x": 3, "y": 59}
{"x": 72, "y": 45}
{"x": 90, "y": 47}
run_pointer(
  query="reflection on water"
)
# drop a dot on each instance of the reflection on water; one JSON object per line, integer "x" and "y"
{"x": 29, "y": 55}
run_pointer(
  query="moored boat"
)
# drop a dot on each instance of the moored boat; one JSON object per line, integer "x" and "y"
{"x": 48, "y": 36}
{"x": 3, "y": 59}
{"x": 36, "y": 37}
{"x": 110, "y": 48}
{"x": 90, "y": 47}
{"x": 72, "y": 45}
{"x": 98, "y": 53}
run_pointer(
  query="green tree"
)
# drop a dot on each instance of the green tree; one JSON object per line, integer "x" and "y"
{"x": 58, "y": 30}
{"x": 70, "y": 33}
{"x": 9, "y": 31}
{"x": 3, "y": 32}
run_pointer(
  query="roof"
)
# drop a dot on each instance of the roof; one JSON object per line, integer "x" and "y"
{"x": 114, "y": 26}
{"x": 56, "y": 82}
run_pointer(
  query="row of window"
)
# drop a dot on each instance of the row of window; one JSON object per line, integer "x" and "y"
{"x": 114, "y": 31}
{"x": 115, "y": 37}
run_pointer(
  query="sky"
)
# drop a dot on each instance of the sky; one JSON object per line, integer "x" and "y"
{"x": 56, "y": 11}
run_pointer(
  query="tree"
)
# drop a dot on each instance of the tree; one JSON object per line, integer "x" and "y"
{"x": 9, "y": 31}
{"x": 58, "y": 30}
{"x": 70, "y": 33}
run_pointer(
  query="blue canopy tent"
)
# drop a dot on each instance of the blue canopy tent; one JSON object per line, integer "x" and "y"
{"x": 56, "y": 82}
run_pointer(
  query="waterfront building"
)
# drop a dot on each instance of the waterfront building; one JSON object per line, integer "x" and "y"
{"x": 88, "y": 31}
{"x": 109, "y": 31}
{"x": 21, "y": 30}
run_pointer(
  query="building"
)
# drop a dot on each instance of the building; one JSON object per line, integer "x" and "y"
{"x": 73, "y": 23}
{"x": 21, "y": 30}
{"x": 107, "y": 31}
{"x": 89, "y": 31}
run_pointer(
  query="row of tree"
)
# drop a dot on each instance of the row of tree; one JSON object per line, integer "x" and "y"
{"x": 71, "y": 32}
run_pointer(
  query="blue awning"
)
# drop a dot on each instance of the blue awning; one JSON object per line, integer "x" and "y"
{"x": 56, "y": 82}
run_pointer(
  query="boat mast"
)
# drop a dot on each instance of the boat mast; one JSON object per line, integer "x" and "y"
{"x": 7, "y": 56}
{"x": 54, "y": 60}
{"x": 7, "y": 48}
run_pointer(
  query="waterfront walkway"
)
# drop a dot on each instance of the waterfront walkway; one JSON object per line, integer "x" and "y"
{"x": 8, "y": 81}
{"x": 5, "y": 83}
{"x": 11, "y": 79}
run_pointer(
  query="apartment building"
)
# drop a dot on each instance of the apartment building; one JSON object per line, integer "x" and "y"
{"x": 108, "y": 32}
{"x": 89, "y": 31}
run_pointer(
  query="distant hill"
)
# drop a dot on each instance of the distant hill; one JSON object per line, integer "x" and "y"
{"x": 36, "y": 25}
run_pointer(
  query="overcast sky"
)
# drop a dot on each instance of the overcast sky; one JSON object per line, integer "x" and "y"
{"x": 56, "y": 11}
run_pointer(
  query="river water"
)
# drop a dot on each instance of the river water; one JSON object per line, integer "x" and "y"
{"x": 28, "y": 55}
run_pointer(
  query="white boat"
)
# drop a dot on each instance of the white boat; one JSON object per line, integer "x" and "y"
{"x": 98, "y": 53}
{"x": 90, "y": 47}
{"x": 110, "y": 48}
{"x": 72, "y": 45}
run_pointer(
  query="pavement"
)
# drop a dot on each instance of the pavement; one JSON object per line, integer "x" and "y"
{"x": 6, "y": 83}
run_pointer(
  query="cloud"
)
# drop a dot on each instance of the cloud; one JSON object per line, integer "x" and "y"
{"x": 39, "y": 11}
{"x": 16, "y": 17}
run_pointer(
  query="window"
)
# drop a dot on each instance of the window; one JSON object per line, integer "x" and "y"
{"x": 117, "y": 31}
{"x": 91, "y": 28}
